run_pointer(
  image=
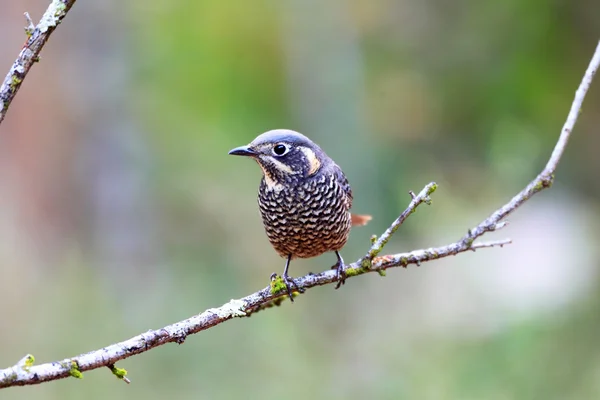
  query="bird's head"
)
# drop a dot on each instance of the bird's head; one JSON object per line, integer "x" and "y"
{"x": 284, "y": 156}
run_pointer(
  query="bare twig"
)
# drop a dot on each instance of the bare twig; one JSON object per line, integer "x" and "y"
{"x": 23, "y": 373}
{"x": 38, "y": 36}
{"x": 546, "y": 177}
{"x": 422, "y": 197}
{"x": 491, "y": 243}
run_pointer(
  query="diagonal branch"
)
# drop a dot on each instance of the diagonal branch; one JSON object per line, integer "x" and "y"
{"x": 26, "y": 374}
{"x": 38, "y": 36}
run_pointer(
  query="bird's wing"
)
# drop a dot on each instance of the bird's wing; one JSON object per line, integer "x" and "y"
{"x": 343, "y": 182}
{"x": 357, "y": 220}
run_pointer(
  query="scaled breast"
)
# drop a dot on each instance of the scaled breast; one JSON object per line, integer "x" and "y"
{"x": 306, "y": 219}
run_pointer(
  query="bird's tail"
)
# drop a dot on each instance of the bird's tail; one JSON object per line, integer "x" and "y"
{"x": 360, "y": 220}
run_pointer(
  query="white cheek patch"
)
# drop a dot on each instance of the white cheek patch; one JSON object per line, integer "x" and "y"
{"x": 280, "y": 166}
{"x": 313, "y": 161}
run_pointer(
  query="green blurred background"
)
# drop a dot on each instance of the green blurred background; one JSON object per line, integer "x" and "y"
{"x": 120, "y": 210}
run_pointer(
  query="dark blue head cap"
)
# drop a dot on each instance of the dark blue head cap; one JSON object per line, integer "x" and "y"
{"x": 282, "y": 135}
{"x": 264, "y": 142}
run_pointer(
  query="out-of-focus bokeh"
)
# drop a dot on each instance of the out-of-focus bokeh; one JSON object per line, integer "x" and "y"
{"x": 120, "y": 210}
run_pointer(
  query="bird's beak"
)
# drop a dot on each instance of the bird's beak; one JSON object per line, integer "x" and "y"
{"x": 242, "y": 151}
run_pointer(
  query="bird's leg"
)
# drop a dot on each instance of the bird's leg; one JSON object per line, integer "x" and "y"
{"x": 340, "y": 270}
{"x": 289, "y": 282}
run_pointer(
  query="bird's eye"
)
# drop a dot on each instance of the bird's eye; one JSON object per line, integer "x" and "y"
{"x": 280, "y": 149}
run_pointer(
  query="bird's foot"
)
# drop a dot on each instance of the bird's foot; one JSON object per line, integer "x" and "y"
{"x": 340, "y": 273}
{"x": 290, "y": 285}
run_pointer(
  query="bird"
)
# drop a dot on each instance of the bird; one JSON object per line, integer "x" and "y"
{"x": 304, "y": 199}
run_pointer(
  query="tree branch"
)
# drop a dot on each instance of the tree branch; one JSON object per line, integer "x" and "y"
{"x": 25, "y": 373}
{"x": 38, "y": 36}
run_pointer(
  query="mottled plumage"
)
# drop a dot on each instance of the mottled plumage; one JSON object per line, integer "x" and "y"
{"x": 304, "y": 198}
{"x": 306, "y": 218}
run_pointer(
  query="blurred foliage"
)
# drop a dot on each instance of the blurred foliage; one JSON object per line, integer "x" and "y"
{"x": 469, "y": 94}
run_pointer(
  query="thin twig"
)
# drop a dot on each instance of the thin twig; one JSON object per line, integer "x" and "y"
{"x": 585, "y": 84}
{"x": 492, "y": 243}
{"x": 38, "y": 36}
{"x": 546, "y": 177}
{"x": 422, "y": 197}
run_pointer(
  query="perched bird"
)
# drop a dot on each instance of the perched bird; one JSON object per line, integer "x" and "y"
{"x": 304, "y": 198}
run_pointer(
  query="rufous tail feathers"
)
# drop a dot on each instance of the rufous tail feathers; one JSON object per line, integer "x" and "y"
{"x": 360, "y": 220}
